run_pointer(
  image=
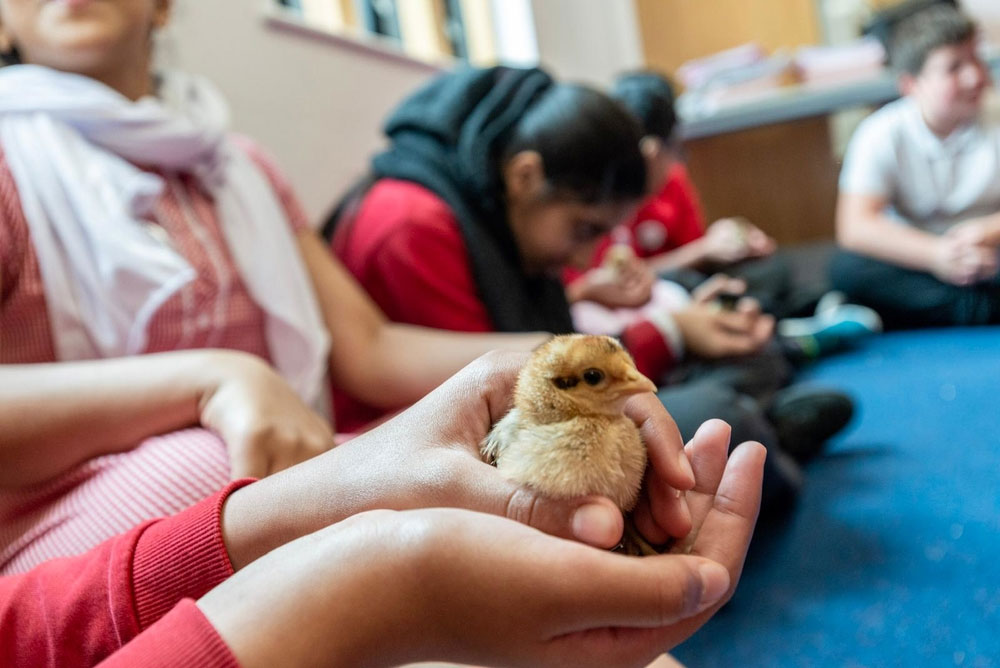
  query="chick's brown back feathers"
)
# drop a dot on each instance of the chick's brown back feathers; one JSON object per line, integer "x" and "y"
{"x": 567, "y": 434}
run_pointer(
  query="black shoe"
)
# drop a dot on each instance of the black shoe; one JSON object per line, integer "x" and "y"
{"x": 782, "y": 484}
{"x": 806, "y": 417}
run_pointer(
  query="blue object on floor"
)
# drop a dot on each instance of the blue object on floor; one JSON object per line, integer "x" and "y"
{"x": 892, "y": 556}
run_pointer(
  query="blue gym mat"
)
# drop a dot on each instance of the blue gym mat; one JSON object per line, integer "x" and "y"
{"x": 892, "y": 555}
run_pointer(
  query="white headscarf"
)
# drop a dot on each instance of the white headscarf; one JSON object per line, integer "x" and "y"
{"x": 73, "y": 144}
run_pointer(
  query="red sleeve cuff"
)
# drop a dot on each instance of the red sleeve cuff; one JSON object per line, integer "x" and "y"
{"x": 653, "y": 357}
{"x": 183, "y": 637}
{"x": 181, "y": 557}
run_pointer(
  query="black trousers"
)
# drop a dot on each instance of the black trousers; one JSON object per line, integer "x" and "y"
{"x": 909, "y": 299}
{"x": 770, "y": 280}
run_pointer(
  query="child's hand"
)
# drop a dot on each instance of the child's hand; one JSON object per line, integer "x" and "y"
{"x": 629, "y": 285}
{"x": 977, "y": 232}
{"x": 713, "y": 334}
{"x": 960, "y": 260}
{"x": 386, "y": 588}
{"x": 265, "y": 425}
{"x": 729, "y": 240}
{"x": 429, "y": 456}
{"x": 710, "y": 289}
{"x": 758, "y": 241}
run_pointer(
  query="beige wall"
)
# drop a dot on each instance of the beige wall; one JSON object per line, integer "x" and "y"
{"x": 675, "y": 31}
{"x": 588, "y": 41}
{"x": 313, "y": 103}
{"x": 317, "y": 103}
{"x": 987, "y": 12}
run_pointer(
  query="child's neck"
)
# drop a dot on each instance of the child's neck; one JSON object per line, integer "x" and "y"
{"x": 942, "y": 127}
{"x": 132, "y": 82}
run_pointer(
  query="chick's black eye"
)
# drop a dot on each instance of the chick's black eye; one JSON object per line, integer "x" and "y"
{"x": 593, "y": 376}
{"x": 566, "y": 382}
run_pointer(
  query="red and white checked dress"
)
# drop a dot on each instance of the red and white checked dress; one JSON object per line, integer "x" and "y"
{"x": 163, "y": 474}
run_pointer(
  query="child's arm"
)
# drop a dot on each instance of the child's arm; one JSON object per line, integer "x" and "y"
{"x": 390, "y": 364}
{"x": 863, "y": 227}
{"x": 726, "y": 241}
{"x": 80, "y": 610}
{"x": 54, "y": 416}
{"x": 691, "y": 255}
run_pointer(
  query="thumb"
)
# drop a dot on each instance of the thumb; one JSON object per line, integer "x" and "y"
{"x": 594, "y": 520}
{"x": 651, "y": 592}
{"x": 697, "y": 583}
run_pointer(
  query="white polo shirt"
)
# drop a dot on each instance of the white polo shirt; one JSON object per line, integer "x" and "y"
{"x": 931, "y": 183}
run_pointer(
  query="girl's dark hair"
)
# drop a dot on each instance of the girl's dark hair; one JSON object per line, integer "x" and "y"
{"x": 650, "y": 97}
{"x": 589, "y": 145}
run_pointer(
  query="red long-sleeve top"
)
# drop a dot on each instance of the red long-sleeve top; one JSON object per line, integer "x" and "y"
{"x": 405, "y": 247}
{"x": 128, "y": 602}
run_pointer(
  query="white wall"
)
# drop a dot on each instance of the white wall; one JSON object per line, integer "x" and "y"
{"x": 516, "y": 41}
{"x": 987, "y": 12}
{"x": 588, "y": 41}
{"x": 315, "y": 104}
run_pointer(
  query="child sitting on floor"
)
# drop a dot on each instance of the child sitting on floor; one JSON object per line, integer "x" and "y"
{"x": 919, "y": 211}
{"x": 668, "y": 237}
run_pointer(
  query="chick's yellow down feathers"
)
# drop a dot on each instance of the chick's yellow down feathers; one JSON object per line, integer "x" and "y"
{"x": 567, "y": 434}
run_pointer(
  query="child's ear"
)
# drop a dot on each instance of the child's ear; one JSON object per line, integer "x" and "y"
{"x": 651, "y": 147}
{"x": 907, "y": 83}
{"x": 524, "y": 176}
{"x": 161, "y": 16}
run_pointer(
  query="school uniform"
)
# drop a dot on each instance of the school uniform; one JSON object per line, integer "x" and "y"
{"x": 931, "y": 183}
{"x": 101, "y": 257}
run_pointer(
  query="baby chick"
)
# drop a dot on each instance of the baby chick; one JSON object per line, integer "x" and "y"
{"x": 567, "y": 434}
{"x": 618, "y": 257}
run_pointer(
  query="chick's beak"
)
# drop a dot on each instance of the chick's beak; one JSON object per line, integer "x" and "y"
{"x": 636, "y": 383}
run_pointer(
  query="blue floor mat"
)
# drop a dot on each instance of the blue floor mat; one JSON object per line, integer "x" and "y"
{"x": 892, "y": 556}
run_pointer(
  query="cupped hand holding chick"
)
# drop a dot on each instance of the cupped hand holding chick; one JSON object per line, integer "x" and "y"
{"x": 429, "y": 456}
{"x": 386, "y": 588}
{"x": 470, "y": 587}
{"x": 568, "y": 435}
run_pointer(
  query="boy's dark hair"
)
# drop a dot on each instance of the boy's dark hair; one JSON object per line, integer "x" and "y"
{"x": 930, "y": 29}
{"x": 649, "y": 96}
{"x": 589, "y": 145}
